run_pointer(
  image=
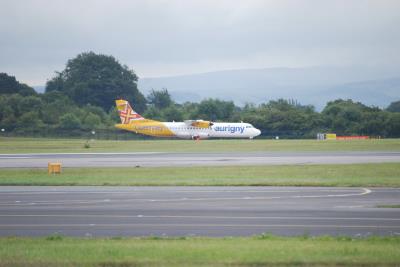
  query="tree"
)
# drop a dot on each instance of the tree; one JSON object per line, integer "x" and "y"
{"x": 112, "y": 117}
{"x": 9, "y": 85}
{"x": 91, "y": 121}
{"x": 344, "y": 117}
{"x": 154, "y": 113}
{"x": 30, "y": 103}
{"x": 69, "y": 122}
{"x": 14, "y": 103}
{"x": 394, "y": 107}
{"x": 285, "y": 117}
{"x": 7, "y": 117}
{"x": 55, "y": 104}
{"x": 160, "y": 99}
{"x": 215, "y": 110}
{"x": 172, "y": 113}
{"x": 189, "y": 110}
{"x": 349, "y": 118}
{"x": 98, "y": 80}
{"x": 393, "y": 125}
{"x": 29, "y": 121}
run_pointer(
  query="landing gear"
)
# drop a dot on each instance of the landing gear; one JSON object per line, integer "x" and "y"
{"x": 196, "y": 138}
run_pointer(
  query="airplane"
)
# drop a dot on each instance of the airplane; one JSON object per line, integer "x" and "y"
{"x": 188, "y": 129}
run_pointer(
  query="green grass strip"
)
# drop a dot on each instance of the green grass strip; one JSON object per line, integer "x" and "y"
{"x": 248, "y": 251}
{"x": 43, "y": 145}
{"x": 368, "y": 175}
{"x": 393, "y": 206}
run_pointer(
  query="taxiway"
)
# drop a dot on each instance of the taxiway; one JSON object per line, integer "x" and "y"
{"x": 192, "y": 211}
{"x": 158, "y": 159}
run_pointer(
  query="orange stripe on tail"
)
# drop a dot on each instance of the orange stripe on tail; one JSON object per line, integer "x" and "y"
{"x": 126, "y": 113}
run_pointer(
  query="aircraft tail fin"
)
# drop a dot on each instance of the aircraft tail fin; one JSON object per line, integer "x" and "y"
{"x": 126, "y": 113}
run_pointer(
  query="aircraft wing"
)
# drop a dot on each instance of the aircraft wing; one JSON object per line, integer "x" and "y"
{"x": 199, "y": 123}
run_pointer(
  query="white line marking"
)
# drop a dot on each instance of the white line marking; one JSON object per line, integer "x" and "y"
{"x": 349, "y": 207}
{"x": 16, "y": 157}
{"x": 365, "y": 192}
{"x": 71, "y": 202}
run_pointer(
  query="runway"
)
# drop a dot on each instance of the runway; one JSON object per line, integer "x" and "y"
{"x": 158, "y": 159}
{"x": 193, "y": 211}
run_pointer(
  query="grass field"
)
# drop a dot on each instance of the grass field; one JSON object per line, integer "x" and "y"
{"x": 394, "y": 206}
{"x": 369, "y": 175}
{"x": 250, "y": 251}
{"x": 41, "y": 145}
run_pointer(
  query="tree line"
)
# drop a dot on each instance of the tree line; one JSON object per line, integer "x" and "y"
{"x": 80, "y": 99}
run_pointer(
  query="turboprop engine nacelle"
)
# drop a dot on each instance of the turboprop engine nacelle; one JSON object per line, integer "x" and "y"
{"x": 200, "y": 123}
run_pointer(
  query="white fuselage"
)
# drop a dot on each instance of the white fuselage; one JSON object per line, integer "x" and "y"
{"x": 217, "y": 130}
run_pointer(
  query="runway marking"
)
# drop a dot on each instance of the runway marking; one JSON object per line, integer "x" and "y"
{"x": 350, "y": 207}
{"x": 365, "y": 192}
{"x": 118, "y": 201}
{"x": 200, "y": 217}
{"x": 44, "y": 202}
{"x": 19, "y": 157}
{"x": 200, "y": 225}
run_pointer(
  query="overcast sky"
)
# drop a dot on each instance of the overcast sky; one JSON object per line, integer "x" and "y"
{"x": 162, "y": 38}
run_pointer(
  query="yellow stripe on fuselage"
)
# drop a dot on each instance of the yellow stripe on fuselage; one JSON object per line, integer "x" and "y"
{"x": 147, "y": 127}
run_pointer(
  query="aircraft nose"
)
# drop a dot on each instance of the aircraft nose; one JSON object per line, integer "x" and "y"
{"x": 258, "y": 132}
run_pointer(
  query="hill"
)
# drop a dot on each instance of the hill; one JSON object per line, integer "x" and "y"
{"x": 315, "y": 85}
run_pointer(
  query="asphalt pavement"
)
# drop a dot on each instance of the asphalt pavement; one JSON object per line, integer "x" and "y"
{"x": 157, "y": 159}
{"x": 193, "y": 211}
